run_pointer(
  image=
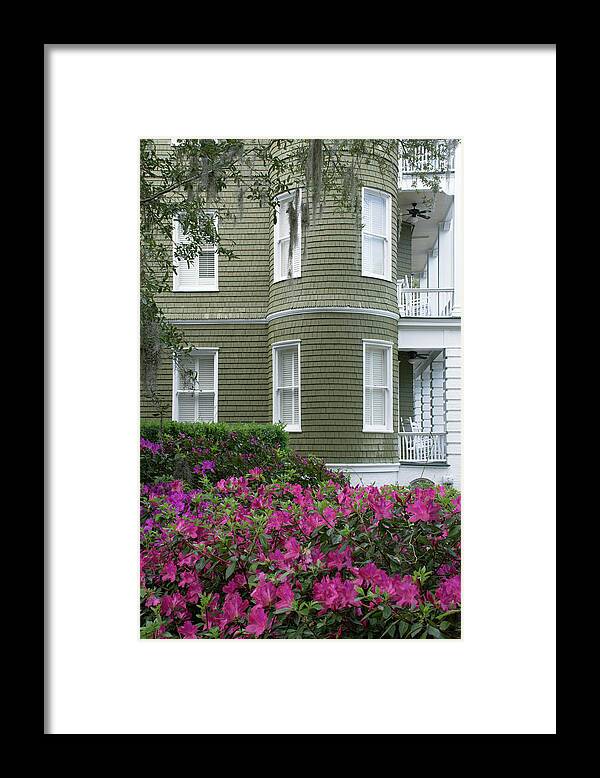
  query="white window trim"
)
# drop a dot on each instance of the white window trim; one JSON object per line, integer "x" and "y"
{"x": 389, "y": 410}
{"x": 277, "y": 277}
{"x": 195, "y": 352}
{"x": 387, "y": 259}
{"x": 214, "y": 286}
{"x": 276, "y": 347}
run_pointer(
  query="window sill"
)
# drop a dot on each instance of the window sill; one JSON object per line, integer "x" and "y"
{"x": 378, "y": 429}
{"x": 197, "y": 289}
{"x": 292, "y": 429}
{"x": 379, "y": 278}
{"x": 290, "y": 278}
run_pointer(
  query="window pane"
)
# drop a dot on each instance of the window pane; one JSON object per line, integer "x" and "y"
{"x": 284, "y": 249}
{"x": 374, "y": 254}
{"x": 374, "y": 214}
{"x": 368, "y": 406}
{"x": 206, "y": 406}
{"x": 283, "y": 219}
{"x": 186, "y": 407}
{"x": 187, "y": 373}
{"x": 206, "y": 366}
{"x": 378, "y": 407}
{"x": 287, "y": 406}
{"x": 288, "y": 366}
{"x": 379, "y": 367}
{"x": 206, "y": 265}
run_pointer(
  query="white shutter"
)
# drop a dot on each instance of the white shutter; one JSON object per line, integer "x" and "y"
{"x": 287, "y": 386}
{"x": 186, "y": 372}
{"x": 378, "y": 407}
{"x": 287, "y": 367}
{"x": 206, "y": 368}
{"x": 186, "y": 406}
{"x": 206, "y": 406}
{"x": 375, "y": 207}
{"x": 199, "y": 271}
{"x": 379, "y": 367}
{"x": 196, "y": 387}
{"x": 298, "y": 247}
{"x": 376, "y": 386}
{"x": 286, "y": 266}
{"x": 206, "y": 265}
{"x": 374, "y": 236}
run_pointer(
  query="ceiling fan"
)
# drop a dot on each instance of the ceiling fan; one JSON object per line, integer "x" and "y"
{"x": 413, "y": 357}
{"x": 417, "y": 213}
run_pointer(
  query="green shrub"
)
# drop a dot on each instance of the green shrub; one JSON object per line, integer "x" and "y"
{"x": 273, "y": 435}
{"x": 191, "y": 452}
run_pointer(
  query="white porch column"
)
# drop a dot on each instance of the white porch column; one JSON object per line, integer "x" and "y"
{"x": 458, "y": 232}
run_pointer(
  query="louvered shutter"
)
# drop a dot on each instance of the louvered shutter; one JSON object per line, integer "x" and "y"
{"x": 196, "y": 388}
{"x": 287, "y": 385}
{"x": 286, "y": 266}
{"x": 298, "y": 246}
{"x": 376, "y": 386}
{"x": 368, "y": 386}
{"x": 199, "y": 271}
{"x": 374, "y": 233}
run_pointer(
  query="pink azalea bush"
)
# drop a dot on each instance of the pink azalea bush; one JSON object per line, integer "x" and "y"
{"x": 249, "y": 557}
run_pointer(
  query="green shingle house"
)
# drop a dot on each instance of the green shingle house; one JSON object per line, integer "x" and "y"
{"x": 353, "y": 341}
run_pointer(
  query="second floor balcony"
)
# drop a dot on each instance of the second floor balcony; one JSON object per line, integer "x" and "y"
{"x": 425, "y": 303}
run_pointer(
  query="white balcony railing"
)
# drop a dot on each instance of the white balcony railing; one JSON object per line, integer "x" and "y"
{"x": 425, "y": 302}
{"x": 424, "y": 161}
{"x": 422, "y": 447}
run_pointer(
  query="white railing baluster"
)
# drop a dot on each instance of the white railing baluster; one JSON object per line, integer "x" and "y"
{"x": 422, "y": 447}
{"x": 425, "y": 302}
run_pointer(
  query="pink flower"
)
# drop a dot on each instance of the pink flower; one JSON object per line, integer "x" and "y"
{"x": 292, "y": 549}
{"x": 188, "y": 630}
{"x": 406, "y": 592}
{"x": 448, "y": 593}
{"x": 423, "y": 510}
{"x": 334, "y": 593}
{"x": 339, "y": 559}
{"x": 234, "y": 607}
{"x": 194, "y": 591}
{"x": 187, "y": 578}
{"x": 152, "y": 600}
{"x": 329, "y": 515}
{"x": 257, "y": 623}
{"x": 169, "y": 572}
{"x": 264, "y": 593}
{"x": 285, "y": 596}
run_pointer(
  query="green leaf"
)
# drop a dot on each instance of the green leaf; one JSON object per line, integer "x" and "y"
{"x": 230, "y": 568}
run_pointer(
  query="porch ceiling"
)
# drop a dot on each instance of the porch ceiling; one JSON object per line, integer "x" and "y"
{"x": 424, "y": 230}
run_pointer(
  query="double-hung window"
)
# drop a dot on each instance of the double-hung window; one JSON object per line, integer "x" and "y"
{"x": 194, "y": 271}
{"x": 376, "y": 234}
{"x": 286, "y": 385}
{"x": 195, "y": 385}
{"x": 377, "y": 386}
{"x": 287, "y": 254}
